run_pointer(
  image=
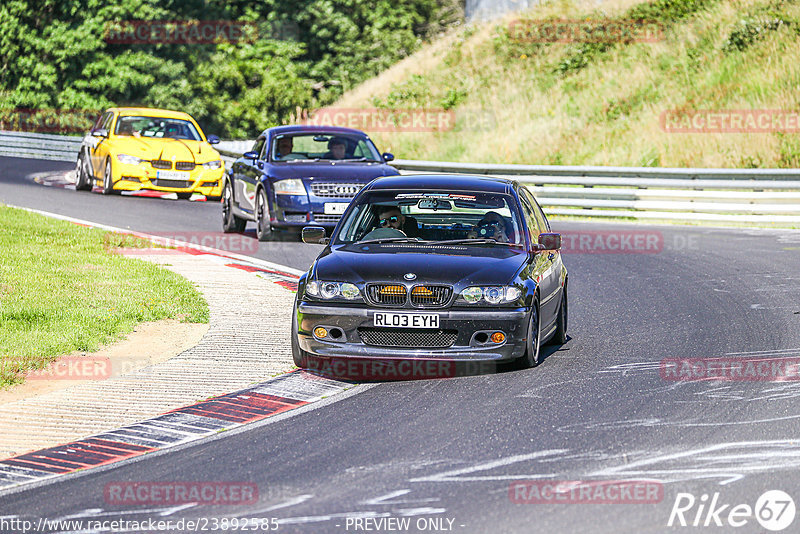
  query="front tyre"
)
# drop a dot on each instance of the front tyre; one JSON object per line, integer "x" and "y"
{"x": 108, "y": 179}
{"x": 263, "y": 226}
{"x": 230, "y": 222}
{"x": 299, "y": 356}
{"x": 82, "y": 176}
{"x": 533, "y": 344}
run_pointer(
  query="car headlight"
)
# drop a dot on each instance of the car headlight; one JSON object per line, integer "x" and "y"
{"x": 128, "y": 160}
{"x": 491, "y": 294}
{"x": 212, "y": 164}
{"x": 332, "y": 290}
{"x": 292, "y": 186}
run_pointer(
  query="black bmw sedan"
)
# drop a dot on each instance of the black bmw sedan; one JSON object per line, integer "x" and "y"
{"x": 433, "y": 269}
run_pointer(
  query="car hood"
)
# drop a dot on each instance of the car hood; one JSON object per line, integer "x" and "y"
{"x": 350, "y": 171}
{"x": 457, "y": 265}
{"x": 179, "y": 149}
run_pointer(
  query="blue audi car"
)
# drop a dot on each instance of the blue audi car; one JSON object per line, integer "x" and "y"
{"x": 299, "y": 175}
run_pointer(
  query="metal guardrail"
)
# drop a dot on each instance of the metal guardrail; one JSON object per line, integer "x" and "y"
{"x": 736, "y": 195}
{"x": 39, "y": 146}
{"x": 727, "y": 195}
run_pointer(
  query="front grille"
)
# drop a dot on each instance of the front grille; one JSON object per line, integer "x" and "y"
{"x": 408, "y": 338}
{"x": 178, "y": 184}
{"x": 184, "y": 165}
{"x": 161, "y": 164}
{"x": 387, "y": 294}
{"x": 318, "y": 217}
{"x": 335, "y": 190}
{"x": 430, "y": 296}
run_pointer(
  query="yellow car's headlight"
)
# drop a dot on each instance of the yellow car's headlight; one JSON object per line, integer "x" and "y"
{"x": 128, "y": 160}
{"x": 212, "y": 164}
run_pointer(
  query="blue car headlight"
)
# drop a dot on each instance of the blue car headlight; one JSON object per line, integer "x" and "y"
{"x": 332, "y": 290}
{"x": 291, "y": 186}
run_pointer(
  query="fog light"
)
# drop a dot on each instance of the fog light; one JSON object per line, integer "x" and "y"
{"x": 320, "y": 332}
{"x": 498, "y": 337}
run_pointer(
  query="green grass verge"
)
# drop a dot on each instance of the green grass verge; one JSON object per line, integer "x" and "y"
{"x": 61, "y": 290}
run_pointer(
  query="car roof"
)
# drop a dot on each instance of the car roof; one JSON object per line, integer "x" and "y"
{"x": 447, "y": 182}
{"x": 312, "y": 128}
{"x": 152, "y": 112}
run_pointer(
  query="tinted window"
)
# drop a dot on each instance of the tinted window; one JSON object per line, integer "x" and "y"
{"x": 530, "y": 217}
{"x": 323, "y": 146}
{"x": 541, "y": 220}
{"x": 259, "y": 146}
{"x": 159, "y": 127}
{"x": 433, "y": 216}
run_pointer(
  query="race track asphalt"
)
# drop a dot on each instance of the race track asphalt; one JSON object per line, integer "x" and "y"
{"x": 597, "y": 408}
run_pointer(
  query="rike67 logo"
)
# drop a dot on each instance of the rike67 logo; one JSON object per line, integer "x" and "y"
{"x": 774, "y": 511}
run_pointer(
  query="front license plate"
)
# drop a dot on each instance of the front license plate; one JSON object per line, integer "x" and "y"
{"x": 406, "y": 320}
{"x": 172, "y": 175}
{"x": 335, "y": 208}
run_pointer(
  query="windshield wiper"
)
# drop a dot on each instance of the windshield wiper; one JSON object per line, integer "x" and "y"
{"x": 357, "y": 159}
{"x": 392, "y": 240}
{"x": 306, "y": 160}
{"x": 474, "y": 241}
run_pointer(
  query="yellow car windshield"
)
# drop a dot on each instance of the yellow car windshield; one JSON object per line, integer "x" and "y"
{"x": 157, "y": 127}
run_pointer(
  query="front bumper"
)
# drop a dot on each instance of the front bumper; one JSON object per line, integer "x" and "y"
{"x": 513, "y": 322}
{"x": 202, "y": 181}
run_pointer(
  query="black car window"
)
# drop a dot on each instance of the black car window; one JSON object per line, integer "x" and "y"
{"x": 544, "y": 224}
{"x": 433, "y": 216}
{"x": 530, "y": 217}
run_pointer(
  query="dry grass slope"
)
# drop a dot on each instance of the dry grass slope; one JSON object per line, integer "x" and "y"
{"x": 588, "y": 104}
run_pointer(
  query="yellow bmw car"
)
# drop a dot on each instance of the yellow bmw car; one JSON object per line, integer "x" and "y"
{"x": 130, "y": 149}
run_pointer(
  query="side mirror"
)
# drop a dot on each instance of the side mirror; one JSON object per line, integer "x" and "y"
{"x": 549, "y": 241}
{"x": 388, "y": 156}
{"x": 213, "y": 140}
{"x": 313, "y": 235}
{"x": 251, "y": 155}
{"x": 100, "y": 132}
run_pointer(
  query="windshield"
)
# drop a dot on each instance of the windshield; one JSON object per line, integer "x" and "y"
{"x": 315, "y": 147}
{"x": 433, "y": 216}
{"x": 158, "y": 127}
